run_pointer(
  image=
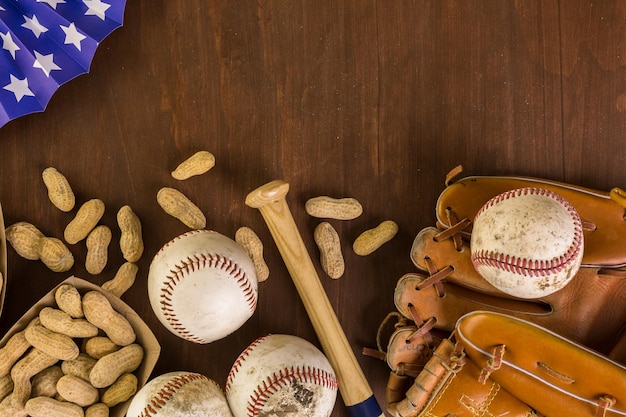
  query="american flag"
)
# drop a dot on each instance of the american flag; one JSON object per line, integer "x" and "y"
{"x": 46, "y": 43}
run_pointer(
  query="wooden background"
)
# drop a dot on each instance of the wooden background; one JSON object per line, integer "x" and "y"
{"x": 375, "y": 100}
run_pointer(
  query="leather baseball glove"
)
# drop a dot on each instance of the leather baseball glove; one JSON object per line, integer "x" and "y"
{"x": 450, "y": 385}
{"x": 590, "y": 310}
{"x": 494, "y": 364}
{"x": 550, "y": 373}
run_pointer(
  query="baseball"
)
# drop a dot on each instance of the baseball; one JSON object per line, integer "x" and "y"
{"x": 179, "y": 394}
{"x": 281, "y": 375}
{"x": 527, "y": 242}
{"x": 202, "y": 286}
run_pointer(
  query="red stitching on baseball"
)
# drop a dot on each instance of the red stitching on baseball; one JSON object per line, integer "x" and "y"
{"x": 529, "y": 267}
{"x": 239, "y": 361}
{"x": 283, "y": 378}
{"x": 278, "y": 380}
{"x": 191, "y": 264}
{"x": 160, "y": 399}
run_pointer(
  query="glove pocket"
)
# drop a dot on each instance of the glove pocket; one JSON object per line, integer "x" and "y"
{"x": 551, "y": 373}
{"x": 602, "y": 212}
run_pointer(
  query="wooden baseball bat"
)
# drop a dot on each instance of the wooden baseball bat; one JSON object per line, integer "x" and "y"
{"x": 353, "y": 386}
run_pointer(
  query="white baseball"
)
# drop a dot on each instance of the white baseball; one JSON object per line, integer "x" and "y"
{"x": 281, "y": 375}
{"x": 202, "y": 286}
{"x": 179, "y": 394}
{"x": 527, "y": 242}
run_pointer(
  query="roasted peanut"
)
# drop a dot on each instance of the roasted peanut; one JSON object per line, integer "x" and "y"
{"x": 77, "y": 390}
{"x": 110, "y": 367}
{"x": 177, "y": 205}
{"x": 79, "y": 367}
{"x": 97, "y": 410}
{"x": 7, "y": 409}
{"x": 333, "y": 208}
{"x": 131, "y": 239}
{"x": 98, "y": 242}
{"x": 253, "y": 246}
{"x": 100, "y": 346}
{"x": 196, "y": 164}
{"x": 99, "y": 312}
{"x": 121, "y": 390}
{"x": 33, "y": 362}
{"x": 55, "y": 255}
{"x": 59, "y": 321}
{"x": 87, "y": 217}
{"x": 6, "y": 386}
{"x": 123, "y": 279}
{"x": 58, "y": 345}
{"x": 13, "y": 350}
{"x": 24, "y": 238}
{"x": 44, "y": 384}
{"x": 59, "y": 190}
{"x": 372, "y": 239}
{"x": 69, "y": 300}
{"x": 331, "y": 257}
{"x": 49, "y": 407}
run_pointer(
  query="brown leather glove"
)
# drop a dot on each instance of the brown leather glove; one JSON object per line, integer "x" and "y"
{"x": 550, "y": 373}
{"x": 450, "y": 385}
{"x": 590, "y": 309}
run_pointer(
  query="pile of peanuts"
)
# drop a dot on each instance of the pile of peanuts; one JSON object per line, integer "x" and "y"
{"x": 30, "y": 243}
{"x": 75, "y": 359}
{"x": 327, "y": 238}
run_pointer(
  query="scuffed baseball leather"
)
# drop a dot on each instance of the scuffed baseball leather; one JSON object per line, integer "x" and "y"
{"x": 590, "y": 309}
{"x": 553, "y": 375}
{"x": 449, "y": 386}
{"x": 602, "y": 212}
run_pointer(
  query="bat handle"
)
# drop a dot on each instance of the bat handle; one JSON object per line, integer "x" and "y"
{"x": 354, "y": 388}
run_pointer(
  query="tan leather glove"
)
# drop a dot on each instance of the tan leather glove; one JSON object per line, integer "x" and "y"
{"x": 553, "y": 375}
{"x": 449, "y": 385}
{"x": 590, "y": 309}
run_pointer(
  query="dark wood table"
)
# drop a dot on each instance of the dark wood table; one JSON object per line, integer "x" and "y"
{"x": 375, "y": 100}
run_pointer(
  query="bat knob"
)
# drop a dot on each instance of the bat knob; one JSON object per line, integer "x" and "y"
{"x": 269, "y": 193}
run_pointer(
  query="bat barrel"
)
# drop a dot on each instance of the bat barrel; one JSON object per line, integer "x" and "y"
{"x": 270, "y": 199}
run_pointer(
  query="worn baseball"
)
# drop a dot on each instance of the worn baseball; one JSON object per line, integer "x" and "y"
{"x": 179, "y": 394}
{"x": 281, "y": 375}
{"x": 202, "y": 286}
{"x": 527, "y": 242}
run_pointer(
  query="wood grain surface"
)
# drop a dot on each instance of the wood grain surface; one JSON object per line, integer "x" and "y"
{"x": 375, "y": 100}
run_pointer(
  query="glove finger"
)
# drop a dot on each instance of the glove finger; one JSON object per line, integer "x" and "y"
{"x": 409, "y": 349}
{"x": 553, "y": 374}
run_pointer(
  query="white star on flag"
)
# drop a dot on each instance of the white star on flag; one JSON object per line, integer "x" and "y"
{"x": 9, "y": 44}
{"x": 34, "y": 25}
{"x": 19, "y": 88}
{"x": 72, "y": 36}
{"x": 51, "y": 3}
{"x": 96, "y": 8}
{"x": 45, "y": 63}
